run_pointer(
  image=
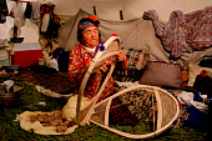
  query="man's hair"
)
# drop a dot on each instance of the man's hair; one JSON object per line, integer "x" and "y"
{"x": 84, "y": 23}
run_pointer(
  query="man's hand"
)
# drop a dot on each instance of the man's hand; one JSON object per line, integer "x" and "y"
{"x": 123, "y": 58}
{"x": 105, "y": 66}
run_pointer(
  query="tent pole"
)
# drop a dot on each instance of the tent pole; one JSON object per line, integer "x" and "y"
{"x": 94, "y": 10}
{"x": 121, "y": 15}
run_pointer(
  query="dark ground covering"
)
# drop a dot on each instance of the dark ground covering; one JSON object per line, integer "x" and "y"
{"x": 29, "y": 99}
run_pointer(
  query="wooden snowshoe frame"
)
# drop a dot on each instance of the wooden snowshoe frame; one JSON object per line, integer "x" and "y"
{"x": 167, "y": 111}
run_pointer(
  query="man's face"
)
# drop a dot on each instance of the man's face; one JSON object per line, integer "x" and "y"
{"x": 91, "y": 36}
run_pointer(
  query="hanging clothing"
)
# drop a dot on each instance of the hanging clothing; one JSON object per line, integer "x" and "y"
{"x": 28, "y": 10}
{"x": 18, "y": 13}
{"x": 45, "y": 23}
{"x": 35, "y": 16}
{"x": 50, "y": 22}
{"x": 183, "y": 32}
{"x": 6, "y": 28}
{"x": 3, "y": 11}
{"x": 49, "y": 25}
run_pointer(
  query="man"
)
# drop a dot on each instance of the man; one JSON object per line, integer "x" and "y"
{"x": 80, "y": 58}
{"x": 88, "y": 35}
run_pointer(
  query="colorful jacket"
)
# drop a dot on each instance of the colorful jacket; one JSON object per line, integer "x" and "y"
{"x": 79, "y": 60}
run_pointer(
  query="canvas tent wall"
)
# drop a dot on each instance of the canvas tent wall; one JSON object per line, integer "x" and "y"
{"x": 135, "y": 33}
{"x": 109, "y": 9}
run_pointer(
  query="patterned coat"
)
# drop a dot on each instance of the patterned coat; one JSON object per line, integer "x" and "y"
{"x": 79, "y": 60}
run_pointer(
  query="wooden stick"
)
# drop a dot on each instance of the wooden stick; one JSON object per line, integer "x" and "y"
{"x": 99, "y": 57}
{"x": 121, "y": 15}
{"x": 159, "y": 109}
{"x": 94, "y": 10}
{"x": 153, "y": 113}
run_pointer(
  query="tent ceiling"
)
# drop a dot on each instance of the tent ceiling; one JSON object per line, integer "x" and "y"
{"x": 109, "y": 9}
